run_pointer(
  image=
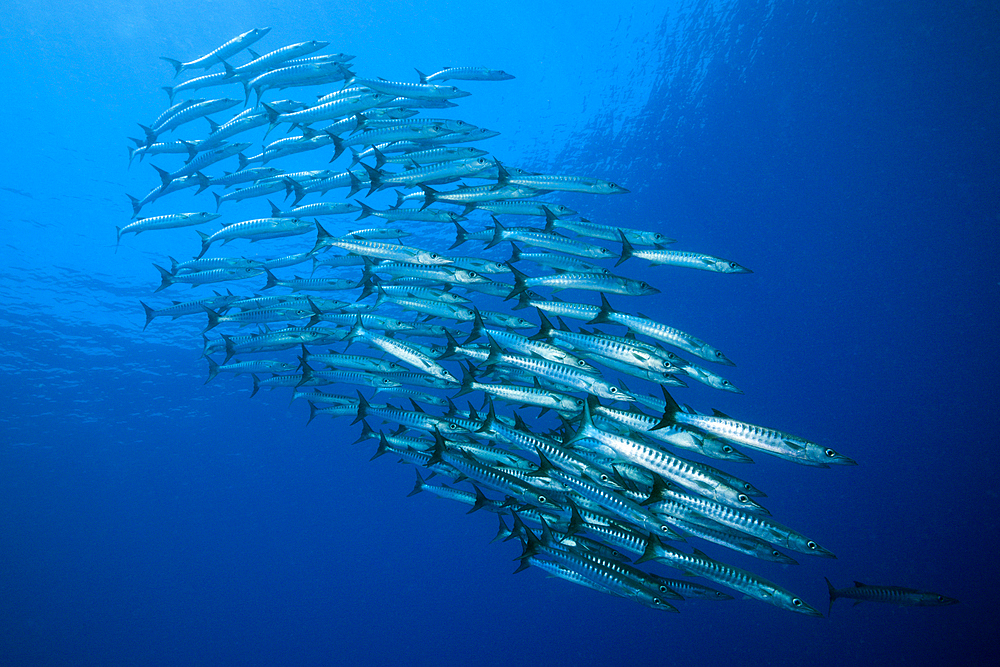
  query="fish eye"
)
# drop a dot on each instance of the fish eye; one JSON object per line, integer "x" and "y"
{"x": 663, "y": 589}
{"x": 473, "y": 274}
{"x": 613, "y": 390}
{"x": 581, "y": 362}
{"x": 643, "y": 283}
{"x": 829, "y": 452}
{"x": 612, "y": 185}
{"x": 796, "y": 602}
{"x": 434, "y": 255}
{"x": 812, "y": 545}
{"x": 541, "y": 499}
{"x": 718, "y": 354}
{"x": 775, "y": 552}
{"x": 656, "y": 601}
{"x": 743, "y": 498}
{"x": 732, "y": 265}
{"x": 605, "y": 478}
{"x": 726, "y": 383}
{"x": 728, "y": 450}
{"x": 665, "y": 529}
{"x": 940, "y": 598}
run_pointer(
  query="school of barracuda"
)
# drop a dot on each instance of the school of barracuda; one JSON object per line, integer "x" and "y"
{"x": 584, "y": 498}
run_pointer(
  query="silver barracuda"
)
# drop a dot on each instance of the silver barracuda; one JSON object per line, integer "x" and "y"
{"x": 466, "y": 74}
{"x": 595, "y": 483}
{"x": 172, "y": 221}
{"x": 227, "y": 50}
{"x": 691, "y": 260}
{"x": 256, "y": 230}
{"x": 776, "y": 443}
{"x": 378, "y": 250}
{"x": 732, "y": 577}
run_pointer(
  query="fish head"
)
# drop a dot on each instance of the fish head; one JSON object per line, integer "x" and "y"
{"x": 608, "y": 188}
{"x": 725, "y": 266}
{"x": 607, "y": 390}
{"x": 428, "y": 257}
{"x": 706, "y": 351}
{"x": 641, "y": 288}
{"x": 934, "y": 600}
{"x": 828, "y": 456}
{"x": 805, "y": 545}
{"x": 451, "y": 92}
{"x": 786, "y": 600}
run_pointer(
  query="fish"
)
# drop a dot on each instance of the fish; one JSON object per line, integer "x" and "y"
{"x": 582, "y": 485}
{"x": 905, "y": 597}
{"x": 218, "y": 55}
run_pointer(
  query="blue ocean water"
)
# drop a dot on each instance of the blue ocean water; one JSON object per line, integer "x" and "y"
{"x": 846, "y": 152}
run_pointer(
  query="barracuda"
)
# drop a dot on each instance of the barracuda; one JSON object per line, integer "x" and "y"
{"x": 186, "y": 115}
{"x": 619, "y": 505}
{"x": 907, "y": 597}
{"x": 336, "y": 108}
{"x": 776, "y": 443}
{"x": 426, "y": 156}
{"x": 594, "y": 282}
{"x": 418, "y": 91}
{"x": 405, "y": 353}
{"x": 255, "y": 366}
{"x": 659, "y": 331}
{"x": 256, "y": 230}
{"x": 177, "y": 184}
{"x": 421, "y": 215}
{"x": 203, "y": 160}
{"x": 227, "y": 50}
{"x": 306, "y": 74}
{"x": 203, "y": 277}
{"x": 525, "y": 396}
{"x": 549, "y": 241}
{"x": 377, "y": 249}
{"x": 269, "y": 60}
{"x": 603, "y": 347}
{"x": 556, "y": 372}
{"x": 606, "y": 232}
{"x": 466, "y": 74}
{"x": 732, "y": 577}
{"x": 179, "y": 309}
{"x": 441, "y": 170}
{"x": 550, "y": 183}
{"x": 173, "y": 221}
{"x": 555, "y": 261}
{"x": 667, "y": 465}
{"x": 756, "y": 525}
{"x": 529, "y": 207}
{"x": 691, "y": 260}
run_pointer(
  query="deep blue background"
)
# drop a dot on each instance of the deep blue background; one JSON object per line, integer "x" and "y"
{"x": 845, "y": 152}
